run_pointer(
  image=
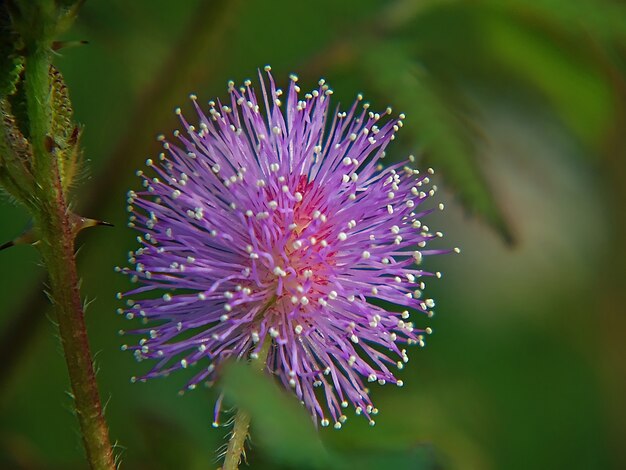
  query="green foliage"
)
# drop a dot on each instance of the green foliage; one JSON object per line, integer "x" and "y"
{"x": 573, "y": 87}
{"x": 280, "y": 424}
{"x": 433, "y": 126}
{"x": 169, "y": 446}
{"x": 417, "y": 458}
{"x": 16, "y": 151}
{"x": 431, "y": 52}
{"x": 603, "y": 19}
{"x": 282, "y": 428}
{"x": 15, "y": 157}
{"x": 41, "y": 21}
{"x": 11, "y": 62}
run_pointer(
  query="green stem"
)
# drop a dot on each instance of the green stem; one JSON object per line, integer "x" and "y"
{"x": 237, "y": 441}
{"x": 236, "y": 444}
{"x": 56, "y": 243}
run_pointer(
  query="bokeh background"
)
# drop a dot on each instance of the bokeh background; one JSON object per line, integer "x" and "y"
{"x": 520, "y": 108}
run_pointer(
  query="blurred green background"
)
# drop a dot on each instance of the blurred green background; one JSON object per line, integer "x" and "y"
{"x": 519, "y": 106}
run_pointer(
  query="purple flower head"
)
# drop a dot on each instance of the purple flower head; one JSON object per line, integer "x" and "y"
{"x": 274, "y": 227}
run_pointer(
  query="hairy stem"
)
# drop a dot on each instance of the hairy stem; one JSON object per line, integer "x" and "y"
{"x": 237, "y": 441}
{"x": 57, "y": 249}
{"x": 56, "y": 244}
{"x": 236, "y": 444}
{"x": 204, "y": 37}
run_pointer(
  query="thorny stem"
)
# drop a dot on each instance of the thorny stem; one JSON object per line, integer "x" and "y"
{"x": 56, "y": 235}
{"x": 241, "y": 423}
{"x": 204, "y": 36}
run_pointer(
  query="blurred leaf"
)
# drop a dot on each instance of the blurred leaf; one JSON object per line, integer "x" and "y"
{"x": 418, "y": 458}
{"x": 433, "y": 124}
{"x": 517, "y": 54}
{"x": 573, "y": 87}
{"x": 604, "y": 19}
{"x": 170, "y": 446}
{"x": 279, "y": 422}
{"x": 400, "y": 12}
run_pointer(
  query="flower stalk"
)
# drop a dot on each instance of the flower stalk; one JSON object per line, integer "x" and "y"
{"x": 237, "y": 440}
{"x": 241, "y": 423}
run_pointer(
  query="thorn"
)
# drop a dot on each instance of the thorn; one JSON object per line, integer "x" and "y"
{"x": 58, "y": 45}
{"x": 74, "y": 136}
{"x": 7, "y": 245}
{"x": 24, "y": 238}
{"x": 79, "y": 223}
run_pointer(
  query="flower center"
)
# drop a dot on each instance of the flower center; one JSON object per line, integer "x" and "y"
{"x": 303, "y": 257}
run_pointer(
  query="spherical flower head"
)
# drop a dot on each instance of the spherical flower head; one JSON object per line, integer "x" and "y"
{"x": 274, "y": 227}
